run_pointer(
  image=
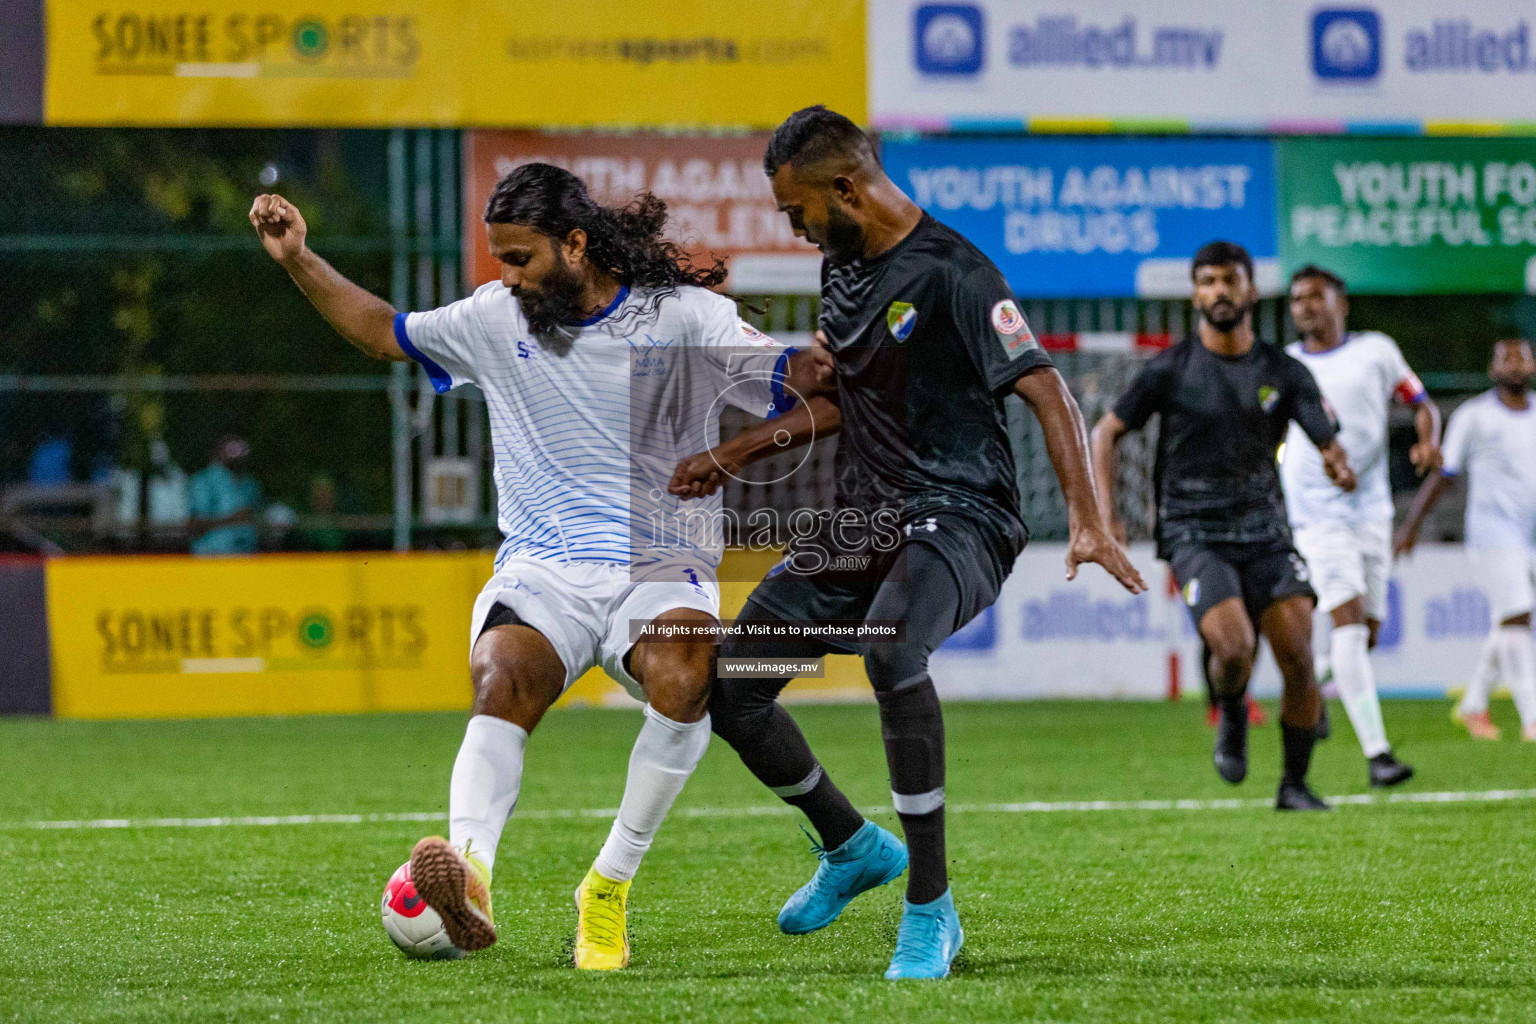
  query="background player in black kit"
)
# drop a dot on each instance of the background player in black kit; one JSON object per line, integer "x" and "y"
{"x": 927, "y": 340}
{"x": 1226, "y": 401}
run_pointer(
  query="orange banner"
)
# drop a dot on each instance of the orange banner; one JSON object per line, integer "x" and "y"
{"x": 714, "y": 188}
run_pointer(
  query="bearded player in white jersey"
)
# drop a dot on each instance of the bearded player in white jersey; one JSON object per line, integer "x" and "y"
{"x": 1492, "y": 438}
{"x": 603, "y": 358}
{"x": 1346, "y": 537}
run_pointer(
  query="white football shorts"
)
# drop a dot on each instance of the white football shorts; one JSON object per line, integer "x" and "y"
{"x": 584, "y": 609}
{"x": 1505, "y": 576}
{"x": 1349, "y": 561}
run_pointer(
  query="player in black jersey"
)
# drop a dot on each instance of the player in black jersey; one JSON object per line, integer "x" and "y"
{"x": 1226, "y": 401}
{"x": 927, "y": 340}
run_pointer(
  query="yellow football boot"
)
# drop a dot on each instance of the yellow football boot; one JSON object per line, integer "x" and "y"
{"x": 458, "y": 886}
{"x": 602, "y": 941}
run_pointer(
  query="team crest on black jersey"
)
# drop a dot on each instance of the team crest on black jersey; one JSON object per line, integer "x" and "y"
{"x": 1268, "y": 397}
{"x": 901, "y": 318}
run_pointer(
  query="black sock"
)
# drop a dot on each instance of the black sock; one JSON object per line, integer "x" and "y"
{"x": 1297, "y": 743}
{"x": 774, "y": 749}
{"x": 927, "y": 874}
{"x": 1233, "y": 705}
{"x": 1212, "y": 698}
{"x": 832, "y": 816}
{"x": 912, "y": 726}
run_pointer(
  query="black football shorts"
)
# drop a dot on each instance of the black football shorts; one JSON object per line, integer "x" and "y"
{"x": 1259, "y": 574}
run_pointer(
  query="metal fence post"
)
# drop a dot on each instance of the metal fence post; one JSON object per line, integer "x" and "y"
{"x": 400, "y": 373}
{"x": 422, "y": 180}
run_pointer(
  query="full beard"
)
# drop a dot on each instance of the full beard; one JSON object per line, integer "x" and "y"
{"x": 845, "y": 239}
{"x": 1225, "y": 316}
{"x": 555, "y": 308}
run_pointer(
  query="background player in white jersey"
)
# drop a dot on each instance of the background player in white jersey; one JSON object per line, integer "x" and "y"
{"x": 1346, "y": 536}
{"x": 601, "y": 355}
{"x": 1492, "y": 438}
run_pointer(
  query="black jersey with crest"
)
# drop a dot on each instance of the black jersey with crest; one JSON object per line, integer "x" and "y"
{"x": 1223, "y": 419}
{"x": 928, "y": 340}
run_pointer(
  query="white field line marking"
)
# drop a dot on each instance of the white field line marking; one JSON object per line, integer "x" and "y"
{"x": 1028, "y": 807}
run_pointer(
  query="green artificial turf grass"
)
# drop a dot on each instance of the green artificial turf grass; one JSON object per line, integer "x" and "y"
{"x": 1403, "y": 912}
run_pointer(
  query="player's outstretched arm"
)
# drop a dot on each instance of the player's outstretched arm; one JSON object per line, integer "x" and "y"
{"x": 364, "y": 319}
{"x": 1066, "y": 442}
{"x": 1429, "y": 493}
{"x": 700, "y": 475}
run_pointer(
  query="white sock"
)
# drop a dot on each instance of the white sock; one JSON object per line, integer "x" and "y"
{"x": 487, "y": 775}
{"x": 1475, "y": 700}
{"x": 1350, "y": 647}
{"x": 1517, "y": 663}
{"x": 665, "y": 754}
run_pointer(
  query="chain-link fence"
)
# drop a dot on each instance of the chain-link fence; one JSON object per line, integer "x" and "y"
{"x": 321, "y": 452}
{"x": 804, "y": 479}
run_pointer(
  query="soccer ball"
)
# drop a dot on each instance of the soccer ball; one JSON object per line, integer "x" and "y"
{"x": 411, "y": 924}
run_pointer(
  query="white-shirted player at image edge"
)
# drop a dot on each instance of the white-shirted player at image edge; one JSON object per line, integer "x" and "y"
{"x": 1346, "y": 536}
{"x": 1492, "y": 439}
{"x": 603, "y": 359}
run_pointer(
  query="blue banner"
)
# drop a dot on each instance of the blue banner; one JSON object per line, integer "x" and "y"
{"x": 1091, "y": 218}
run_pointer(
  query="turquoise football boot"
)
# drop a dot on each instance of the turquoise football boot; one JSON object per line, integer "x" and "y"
{"x": 870, "y": 858}
{"x": 928, "y": 939}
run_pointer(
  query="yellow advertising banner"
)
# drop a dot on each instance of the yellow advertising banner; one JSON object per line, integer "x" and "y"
{"x": 254, "y": 62}
{"x": 173, "y": 637}
{"x": 649, "y": 63}
{"x": 178, "y": 637}
{"x": 493, "y": 63}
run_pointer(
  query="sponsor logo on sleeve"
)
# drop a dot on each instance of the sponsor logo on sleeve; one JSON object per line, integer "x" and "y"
{"x": 1012, "y": 331}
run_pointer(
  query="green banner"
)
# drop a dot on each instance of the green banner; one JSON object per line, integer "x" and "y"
{"x": 1411, "y": 216}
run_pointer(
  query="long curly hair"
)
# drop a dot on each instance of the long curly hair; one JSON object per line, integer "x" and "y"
{"x": 625, "y": 241}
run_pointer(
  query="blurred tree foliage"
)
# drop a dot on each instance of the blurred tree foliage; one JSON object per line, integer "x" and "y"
{"x": 191, "y": 305}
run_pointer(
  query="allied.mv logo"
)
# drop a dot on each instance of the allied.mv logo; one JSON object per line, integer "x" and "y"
{"x": 1346, "y": 44}
{"x": 948, "y": 39}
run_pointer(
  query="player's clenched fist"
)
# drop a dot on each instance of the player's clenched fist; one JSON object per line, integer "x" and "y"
{"x": 279, "y": 226}
{"x": 812, "y": 371}
{"x": 697, "y": 476}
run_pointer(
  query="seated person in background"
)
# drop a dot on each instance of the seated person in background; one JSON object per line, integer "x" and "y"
{"x": 321, "y": 533}
{"x": 224, "y": 499}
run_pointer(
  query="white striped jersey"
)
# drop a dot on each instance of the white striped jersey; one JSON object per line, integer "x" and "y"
{"x": 586, "y": 432}
{"x": 1358, "y": 378}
